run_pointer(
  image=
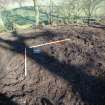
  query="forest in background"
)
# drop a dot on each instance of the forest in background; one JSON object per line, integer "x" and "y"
{"x": 23, "y": 14}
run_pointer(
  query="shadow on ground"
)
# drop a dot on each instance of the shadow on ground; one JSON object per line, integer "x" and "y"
{"x": 4, "y": 100}
{"x": 90, "y": 89}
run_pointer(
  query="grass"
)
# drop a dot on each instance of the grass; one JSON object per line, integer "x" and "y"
{"x": 2, "y": 29}
{"x": 23, "y": 26}
{"x": 21, "y": 17}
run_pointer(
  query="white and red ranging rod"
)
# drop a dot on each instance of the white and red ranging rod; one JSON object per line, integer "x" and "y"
{"x": 40, "y": 45}
{"x": 49, "y": 43}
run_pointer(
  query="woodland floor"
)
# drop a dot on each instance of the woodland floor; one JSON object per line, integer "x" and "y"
{"x": 69, "y": 73}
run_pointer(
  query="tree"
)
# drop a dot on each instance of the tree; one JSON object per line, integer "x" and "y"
{"x": 51, "y": 9}
{"x": 36, "y": 9}
{"x": 90, "y": 6}
{"x": 4, "y": 4}
{"x": 20, "y": 2}
{"x": 70, "y": 10}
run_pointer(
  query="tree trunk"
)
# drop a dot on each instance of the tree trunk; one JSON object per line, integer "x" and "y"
{"x": 37, "y": 15}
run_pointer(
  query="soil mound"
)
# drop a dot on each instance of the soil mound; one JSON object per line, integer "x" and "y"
{"x": 68, "y": 73}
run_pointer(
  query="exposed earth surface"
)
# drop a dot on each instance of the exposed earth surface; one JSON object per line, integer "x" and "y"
{"x": 67, "y": 73}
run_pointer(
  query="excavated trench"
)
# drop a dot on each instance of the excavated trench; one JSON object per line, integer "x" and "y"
{"x": 67, "y": 73}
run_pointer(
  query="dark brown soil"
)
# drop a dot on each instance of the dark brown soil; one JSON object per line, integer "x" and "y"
{"x": 69, "y": 73}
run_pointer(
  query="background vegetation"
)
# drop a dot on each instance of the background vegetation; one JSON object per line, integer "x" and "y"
{"x": 32, "y": 13}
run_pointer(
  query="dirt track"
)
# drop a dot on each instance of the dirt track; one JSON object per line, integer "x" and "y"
{"x": 69, "y": 73}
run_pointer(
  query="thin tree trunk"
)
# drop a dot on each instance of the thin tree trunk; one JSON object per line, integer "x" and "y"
{"x": 37, "y": 15}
